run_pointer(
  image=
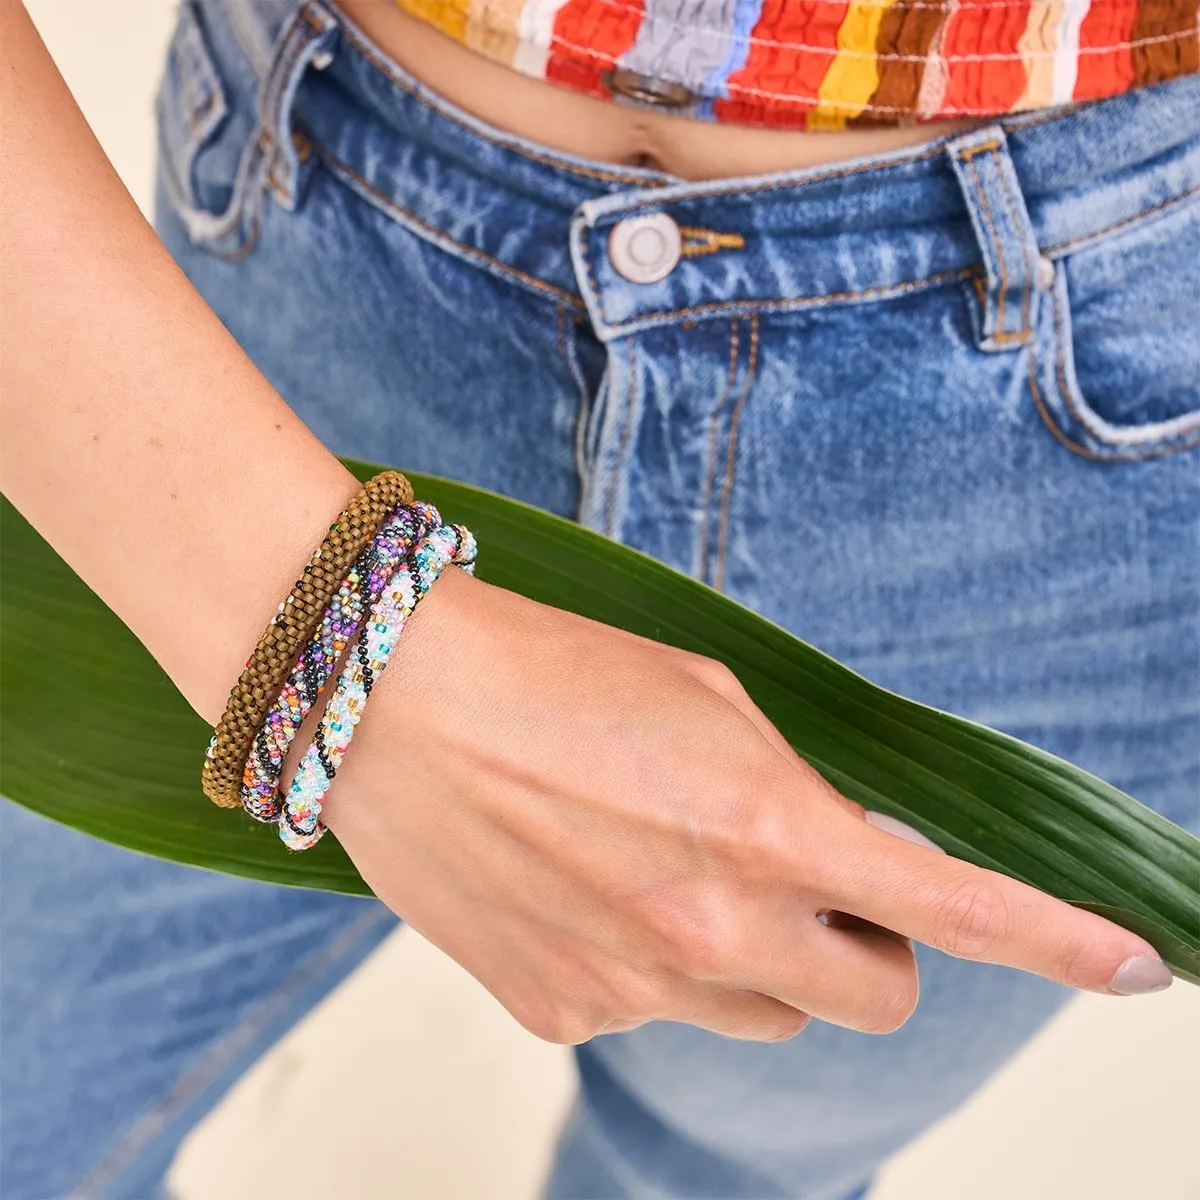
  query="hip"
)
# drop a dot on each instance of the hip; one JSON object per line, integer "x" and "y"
{"x": 618, "y": 134}
{"x": 937, "y": 411}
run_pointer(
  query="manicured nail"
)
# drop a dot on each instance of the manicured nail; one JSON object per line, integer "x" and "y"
{"x": 900, "y": 830}
{"x": 1137, "y": 976}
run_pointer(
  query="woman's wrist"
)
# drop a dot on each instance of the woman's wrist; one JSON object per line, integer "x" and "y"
{"x": 138, "y": 438}
{"x": 239, "y": 582}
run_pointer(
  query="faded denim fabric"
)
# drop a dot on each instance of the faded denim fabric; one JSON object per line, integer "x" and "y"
{"x": 936, "y": 412}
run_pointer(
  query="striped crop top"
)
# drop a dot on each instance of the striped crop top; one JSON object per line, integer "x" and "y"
{"x": 833, "y": 64}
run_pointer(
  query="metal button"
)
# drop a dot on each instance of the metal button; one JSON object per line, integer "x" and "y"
{"x": 1045, "y": 273}
{"x": 645, "y": 249}
{"x": 647, "y": 90}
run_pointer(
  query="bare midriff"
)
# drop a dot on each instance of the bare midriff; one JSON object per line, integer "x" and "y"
{"x": 560, "y": 119}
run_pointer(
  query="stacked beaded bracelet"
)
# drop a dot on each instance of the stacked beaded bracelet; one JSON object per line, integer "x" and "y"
{"x": 358, "y": 591}
{"x": 291, "y": 627}
{"x": 299, "y": 823}
{"x": 382, "y": 554}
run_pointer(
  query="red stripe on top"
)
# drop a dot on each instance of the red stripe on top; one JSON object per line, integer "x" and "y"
{"x": 1106, "y": 24}
{"x": 795, "y": 70}
{"x": 587, "y": 41}
{"x": 987, "y": 84}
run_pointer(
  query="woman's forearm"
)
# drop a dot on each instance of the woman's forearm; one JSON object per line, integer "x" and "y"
{"x": 136, "y": 436}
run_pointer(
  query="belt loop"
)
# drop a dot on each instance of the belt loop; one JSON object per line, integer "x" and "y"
{"x": 307, "y": 39}
{"x": 1014, "y": 270}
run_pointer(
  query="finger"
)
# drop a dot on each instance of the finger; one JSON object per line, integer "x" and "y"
{"x": 978, "y": 914}
{"x": 746, "y": 1015}
{"x": 852, "y": 924}
{"x": 847, "y": 972}
{"x": 620, "y": 1026}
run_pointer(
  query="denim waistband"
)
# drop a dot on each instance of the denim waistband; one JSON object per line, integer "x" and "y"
{"x": 978, "y": 206}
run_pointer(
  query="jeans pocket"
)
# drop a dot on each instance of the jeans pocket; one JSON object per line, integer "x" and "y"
{"x": 201, "y": 145}
{"x": 217, "y": 120}
{"x": 1116, "y": 368}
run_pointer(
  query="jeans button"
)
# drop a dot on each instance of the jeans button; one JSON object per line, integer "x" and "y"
{"x": 645, "y": 249}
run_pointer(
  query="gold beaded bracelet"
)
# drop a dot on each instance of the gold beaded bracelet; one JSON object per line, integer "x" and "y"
{"x": 290, "y": 630}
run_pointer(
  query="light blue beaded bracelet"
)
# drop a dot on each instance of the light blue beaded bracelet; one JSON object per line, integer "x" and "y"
{"x": 300, "y": 825}
{"x": 361, "y": 587}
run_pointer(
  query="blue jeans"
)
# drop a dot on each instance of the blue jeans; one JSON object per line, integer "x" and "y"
{"x": 937, "y": 412}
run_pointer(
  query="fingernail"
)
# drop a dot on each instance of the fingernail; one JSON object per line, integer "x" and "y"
{"x": 900, "y": 830}
{"x": 1138, "y": 976}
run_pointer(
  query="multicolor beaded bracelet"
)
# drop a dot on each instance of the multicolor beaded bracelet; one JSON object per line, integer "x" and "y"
{"x": 358, "y": 591}
{"x": 291, "y": 627}
{"x": 300, "y": 826}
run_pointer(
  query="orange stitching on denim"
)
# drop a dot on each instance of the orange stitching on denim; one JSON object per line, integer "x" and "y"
{"x": 1059, "y": 433}
{"x": 731, "y": 455}
{"x": 1060, "y": 247}
{"x": 304, "y": 150}
{"x": 1014, "y": 215}
{"x": 1068, "y": 393}
{"x": 971, "y": 151}
{"x": 272, "y": 106}
{"x": 999, "y": 250}
{"x": 776, "y": 185}
{"x": 244, "y": 249}
{"x": 383, "y": 64}
{"x": 302, "y": 146}
{"x": 614, "y": 479}
{"x": 710, "y": 470}
{"x": 797, "y": 303}
{"x": 272, "y": 110}
{"x": 308, "y": 17}
{"x": 590, "y": 271}
{"x": 980, "y": 285}
{"x": 390, "y": 205}
{"x": 699, "y": 242}
{"x": 780, "y": 305}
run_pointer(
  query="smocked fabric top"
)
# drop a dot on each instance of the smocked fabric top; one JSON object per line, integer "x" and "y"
{"x": 833, "y": 64}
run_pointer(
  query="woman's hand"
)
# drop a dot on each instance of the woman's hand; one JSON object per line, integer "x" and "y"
{"x": 606, "y": 831}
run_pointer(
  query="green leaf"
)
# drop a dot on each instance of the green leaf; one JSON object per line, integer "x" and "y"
{"x": 93, "y": 734}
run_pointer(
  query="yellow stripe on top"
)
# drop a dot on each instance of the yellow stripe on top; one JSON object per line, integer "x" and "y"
{"x": 450, "y": 16}
{"x": 853, "y": 75}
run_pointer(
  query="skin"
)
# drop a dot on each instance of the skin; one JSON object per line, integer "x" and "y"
{"x": 602, "y": 830}
{"x": 598, "y": 129}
